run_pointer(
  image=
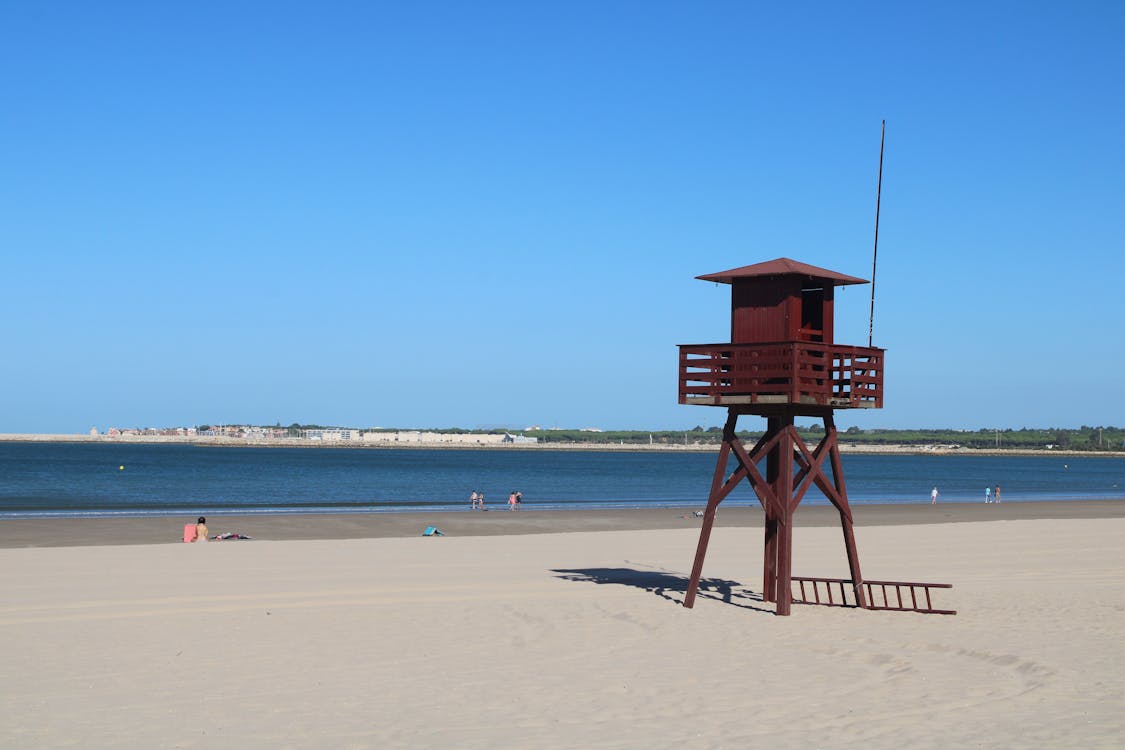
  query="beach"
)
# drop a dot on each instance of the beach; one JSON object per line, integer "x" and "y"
{"x": 124, "y": 530}
{"x": 561, "y": 629}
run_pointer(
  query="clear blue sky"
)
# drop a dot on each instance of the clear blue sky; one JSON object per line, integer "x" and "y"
{"x": 482, "y": 214}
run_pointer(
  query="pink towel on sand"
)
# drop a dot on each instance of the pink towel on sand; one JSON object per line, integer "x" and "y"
{"x": 189, "y": 532}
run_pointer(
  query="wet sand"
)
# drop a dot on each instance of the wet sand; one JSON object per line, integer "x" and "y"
{"x": 68, "y": 532}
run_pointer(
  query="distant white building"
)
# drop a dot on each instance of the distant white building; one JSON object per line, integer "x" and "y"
{"x": 333, "y": 435}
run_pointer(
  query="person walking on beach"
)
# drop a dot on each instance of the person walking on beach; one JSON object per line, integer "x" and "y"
{"x": 988, "y": 494}
{"x": 512, "y": 500}
{"x": 996, "y": 495}
{"x": 933, "y": 496}
{"x": 519, "y": 500}
{"x": 473, "y": 500}
{"x": 480, "y": 500}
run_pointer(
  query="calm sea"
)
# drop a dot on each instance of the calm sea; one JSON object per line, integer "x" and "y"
{"x": 58, "y": 479}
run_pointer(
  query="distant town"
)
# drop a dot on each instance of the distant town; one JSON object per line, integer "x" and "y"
{"x": 345, "y": 435}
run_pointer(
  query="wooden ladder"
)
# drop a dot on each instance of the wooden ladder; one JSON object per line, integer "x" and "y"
{"x": 888, "y": 595}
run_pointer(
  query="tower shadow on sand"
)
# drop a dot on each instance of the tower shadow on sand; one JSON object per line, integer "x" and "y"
{"x": 668, "y": 585}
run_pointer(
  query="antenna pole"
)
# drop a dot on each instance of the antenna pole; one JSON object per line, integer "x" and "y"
{"x": 875, "y": 253}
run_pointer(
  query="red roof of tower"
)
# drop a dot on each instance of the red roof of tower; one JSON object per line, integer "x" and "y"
{"x": 783, "y": 267}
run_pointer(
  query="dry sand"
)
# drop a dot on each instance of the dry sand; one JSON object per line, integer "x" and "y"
{"x": 565, "y": 640}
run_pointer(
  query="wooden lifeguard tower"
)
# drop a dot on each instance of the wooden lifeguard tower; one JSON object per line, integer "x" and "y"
{"x": 782, "y": 362}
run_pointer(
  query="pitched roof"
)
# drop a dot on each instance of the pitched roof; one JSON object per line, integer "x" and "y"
{"x": 783, "y": 267}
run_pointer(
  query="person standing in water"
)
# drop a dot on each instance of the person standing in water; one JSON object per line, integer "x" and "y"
{"x": 933, "y": 496}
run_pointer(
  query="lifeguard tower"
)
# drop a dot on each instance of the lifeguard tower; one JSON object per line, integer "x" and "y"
{"x": 782, "y": 362}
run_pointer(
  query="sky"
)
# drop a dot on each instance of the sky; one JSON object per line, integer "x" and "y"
{"x": 450, "y": 214}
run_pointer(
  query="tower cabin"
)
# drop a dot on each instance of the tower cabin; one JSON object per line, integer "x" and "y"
{"x": 782, "y": 349}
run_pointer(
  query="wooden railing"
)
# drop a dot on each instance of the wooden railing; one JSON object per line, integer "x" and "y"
{"x": 896, "y": 596}
{"x": 790, "y": 372}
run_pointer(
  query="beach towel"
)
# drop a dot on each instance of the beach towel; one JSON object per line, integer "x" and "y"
{"x": 189, "y": 532}
{"x": 229, "y": 535}
{"x": 432, "y": 531}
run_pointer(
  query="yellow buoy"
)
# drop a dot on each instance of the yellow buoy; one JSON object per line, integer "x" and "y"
{"x": 121, "y": 468}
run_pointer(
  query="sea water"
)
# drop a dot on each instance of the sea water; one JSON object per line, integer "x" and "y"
{"x": 74, "y": 479}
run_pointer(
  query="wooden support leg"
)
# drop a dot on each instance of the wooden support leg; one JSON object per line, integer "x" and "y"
{"x": 853, "y": 561}
{"x": 784, "y": 563}
{"x": 769, "y": 564}
{"x": 713, "y": 501}
{"x": 773, "y": 473}
{"x": 693, "y": 584}
{"x": 785, "y": 522}
{"x": 845, "y": 511}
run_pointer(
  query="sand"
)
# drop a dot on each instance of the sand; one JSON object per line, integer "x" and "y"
{"x": 568, "y": 639}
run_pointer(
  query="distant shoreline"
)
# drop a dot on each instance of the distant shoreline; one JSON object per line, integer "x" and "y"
{"x": 232, "y": 442}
